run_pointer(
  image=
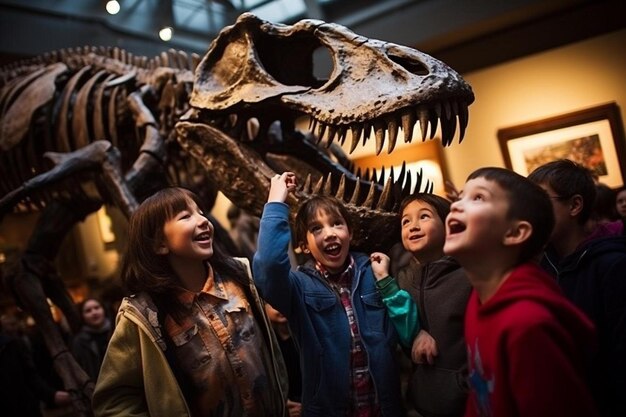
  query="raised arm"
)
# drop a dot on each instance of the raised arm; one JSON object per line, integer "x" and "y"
{"x": 271, "y": 264}
{"x": 400, "y": 305}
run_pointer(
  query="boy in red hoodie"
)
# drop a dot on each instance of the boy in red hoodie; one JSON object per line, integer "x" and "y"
{"x": 528, "y": 347}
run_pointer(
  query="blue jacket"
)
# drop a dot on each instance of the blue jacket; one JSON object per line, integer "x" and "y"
{"x": 320, "y": 326}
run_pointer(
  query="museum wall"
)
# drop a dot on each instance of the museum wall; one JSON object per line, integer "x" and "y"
{"x": 558, "y": 81}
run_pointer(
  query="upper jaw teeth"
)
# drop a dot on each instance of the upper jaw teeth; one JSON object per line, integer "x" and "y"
{"x": 333, "y": 247}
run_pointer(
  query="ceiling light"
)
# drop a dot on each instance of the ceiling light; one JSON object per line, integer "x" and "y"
{"x": 166, "y": 33}
{"x": 113, "y": 7}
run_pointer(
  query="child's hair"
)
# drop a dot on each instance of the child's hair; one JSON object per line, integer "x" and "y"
{"x": 567, "y": 178}
{"x": 440, "y": 204}
{"x": 528, "y": 202}
{"x": 143, "y": 269}
{"x": 309, "y": 208}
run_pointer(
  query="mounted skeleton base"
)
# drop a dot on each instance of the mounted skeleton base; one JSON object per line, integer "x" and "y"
{"x": 92, "y": 126}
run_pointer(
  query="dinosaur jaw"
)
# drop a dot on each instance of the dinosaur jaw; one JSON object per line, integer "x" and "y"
{"x": 244, "y": 176}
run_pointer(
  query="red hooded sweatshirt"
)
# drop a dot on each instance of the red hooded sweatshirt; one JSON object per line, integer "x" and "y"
{"x": 529, "y": 350}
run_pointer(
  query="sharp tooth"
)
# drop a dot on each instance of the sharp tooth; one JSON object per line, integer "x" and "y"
{"x": 232, "y": 118}
{"x": 369, "y": 201}
{"x": 318, "y": 186}
{"x": 422, "y": 115}
{"x": 341, "y": 135}
{"x": 328, "y": 186}
{"x": 448, "y": 127}
{"x": 357, "y": 190}
{"x": 379, "y": 126}
{"x": 252, "y": 128}
{"x": 356, "y": 131}
{"x": 367, "y": 131}
{"x": 306, "y": 188}
{"x": 342, "y": 187}
{"x": 332, "y": 130}
{"x": 407, "y": 185}
{"x": 463, "y": 119}
{"x": 408, "y": 121}
{"x": 418, "y": 180}
{"x": 320, "y": 132}
{"x": 383, "y": 202}
{"x": 434, "y": 120}
{"x": 312, "y": 125}
{"x": 381, "y": 178}
{"x": 393, "y": 134}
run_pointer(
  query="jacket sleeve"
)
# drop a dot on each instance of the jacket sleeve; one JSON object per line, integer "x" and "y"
{"x": 120, "y": 388}
{"x": 271, "y": 265}
{"x": 402, "y": 310}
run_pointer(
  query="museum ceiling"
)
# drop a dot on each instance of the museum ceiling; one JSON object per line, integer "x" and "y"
{"x": 467, "y": 35}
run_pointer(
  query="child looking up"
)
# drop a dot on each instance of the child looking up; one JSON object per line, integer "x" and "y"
{"x": 347, "y": 344}
{"x": 437, "y": 284}
{"x": 528, "y": 347}
{"x": 194, "y": 339}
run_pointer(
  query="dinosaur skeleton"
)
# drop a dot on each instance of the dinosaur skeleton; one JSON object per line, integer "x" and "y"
{"x": 114, "y": 127}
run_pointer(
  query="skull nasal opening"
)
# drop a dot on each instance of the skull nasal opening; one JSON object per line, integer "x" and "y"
{"x": 412, "y": 65}
{"x": 299, "y": 59}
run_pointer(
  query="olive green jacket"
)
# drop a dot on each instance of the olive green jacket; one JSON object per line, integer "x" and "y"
{"x": 135, "y": 378}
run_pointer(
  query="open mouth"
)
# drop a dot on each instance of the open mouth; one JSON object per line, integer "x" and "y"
{"x": 203, "y": 237}
{"x": 333, "y": 250}
{"x": 455, "y": 227}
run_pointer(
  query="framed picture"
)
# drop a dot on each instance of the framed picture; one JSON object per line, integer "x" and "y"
{"x": 593, "y": 137}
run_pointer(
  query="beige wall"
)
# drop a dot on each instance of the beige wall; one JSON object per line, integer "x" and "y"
{"x": 558, "y": 81}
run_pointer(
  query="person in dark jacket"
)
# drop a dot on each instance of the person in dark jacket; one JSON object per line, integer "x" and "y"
{"x": 588, "y": 260}
{"x": 22, "y": 388}
{"x": 90, "y": 344}
{"x": 439, "y": 287}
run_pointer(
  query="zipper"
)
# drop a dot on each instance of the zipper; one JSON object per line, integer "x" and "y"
{"x": 422, "y": 297}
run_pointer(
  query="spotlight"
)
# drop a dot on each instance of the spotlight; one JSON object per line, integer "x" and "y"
{"x": 166, "y": 33}
{"x": 113, "y": 7}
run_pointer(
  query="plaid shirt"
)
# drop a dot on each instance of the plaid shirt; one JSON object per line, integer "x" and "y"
{"x": 364, "y": 402}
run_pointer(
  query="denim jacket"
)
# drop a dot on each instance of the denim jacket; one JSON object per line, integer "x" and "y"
{"x": 320, "y": 326}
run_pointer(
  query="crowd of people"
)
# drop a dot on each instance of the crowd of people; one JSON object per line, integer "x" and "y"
{"x": 511, "y": 302}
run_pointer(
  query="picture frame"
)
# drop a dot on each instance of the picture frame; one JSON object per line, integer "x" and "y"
{"x": 593, "y": 137}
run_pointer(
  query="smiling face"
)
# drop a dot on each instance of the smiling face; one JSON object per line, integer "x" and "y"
{"x": 423, "y": 232}
{"x": 477, "y": 222}
{"x": 93, "y": 313}
{"x": 187, "y": 236}
{"x": 328, "y": 240}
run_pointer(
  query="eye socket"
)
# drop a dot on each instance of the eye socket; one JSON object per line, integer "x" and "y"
{"x": 295, "y": 60}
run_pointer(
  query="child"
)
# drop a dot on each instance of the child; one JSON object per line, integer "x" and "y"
{"x": 528, "y": 347}
{"x": 90, "y": 343}
{"x": 439, "y": 287}
{"x": 588, "y": 260}
{"x": 347, "y": 344}
{"x": 194, "y": 339}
